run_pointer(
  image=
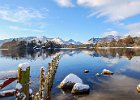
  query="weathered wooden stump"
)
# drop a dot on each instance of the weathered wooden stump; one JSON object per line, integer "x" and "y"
{"x": 24, "y": 78}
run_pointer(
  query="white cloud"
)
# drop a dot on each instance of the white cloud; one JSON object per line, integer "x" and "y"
{"x": 16, "y": 28}
{"x": 133, "y": 34}
{"x": 37, "y": 31}
{"x": 113, "y": 10}
{"x": 112, "y": 61}
{"x": 109, "y": 29}
{"x": 21, "y": 14}
{"x": 114, "y": 33}
{"x": 133, "y": 27}
{"x": 4, "y": 35}
{"x": 64, "y": 3}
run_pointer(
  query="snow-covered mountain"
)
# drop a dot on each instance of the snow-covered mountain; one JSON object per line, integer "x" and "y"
{"x": 104, "y": 39}
{"x": 110, "y": 38}
{"x": 42, "y": 39}
{"x": 92, "y": 41}
{"x": 21, "y": 38}
{"x": 73, "y": 42}
{"x": 58, "y": 40}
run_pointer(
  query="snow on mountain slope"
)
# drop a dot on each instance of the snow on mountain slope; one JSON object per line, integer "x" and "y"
{"x": 92, "y": 41}
{"x": 104, "y": 39}
{"x": 58, "y": 40}
{"x": 73, "y": 42}
{"x": 20, "y": 39}
{"x": 42, "y": 39}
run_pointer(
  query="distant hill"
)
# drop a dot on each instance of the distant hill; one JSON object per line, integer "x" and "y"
{"x": 44, "y": 42}
{"x": 108, "y": 38}
{"x": 36, "y": 43}
{"x": 21, "y": 39}
{"x": 42, "y": 39}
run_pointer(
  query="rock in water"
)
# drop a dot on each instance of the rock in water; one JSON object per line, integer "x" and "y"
{"x": 97, "y": 74}
{"x": 69, "y": 81}
{"x": 138, "y": 88}
{"x": 80, "y": 88}
{"x": 107, "y": 72}
{"x": 86, "y": 71}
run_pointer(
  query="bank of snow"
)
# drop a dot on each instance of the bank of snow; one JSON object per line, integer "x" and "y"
{"x": 8, "y": 74}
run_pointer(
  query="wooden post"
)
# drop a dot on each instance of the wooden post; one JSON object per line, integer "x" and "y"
{"x": 49, "y": 66}
{"x": 41, "y": 82}
{"x": 23, "y": 79}
{"x": 52, "y": 67}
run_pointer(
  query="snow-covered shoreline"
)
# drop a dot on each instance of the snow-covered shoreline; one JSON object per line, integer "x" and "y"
{"x": 3, "y": 49}
{"x": 8, "y": 74}
{"x": 117, "y": 47}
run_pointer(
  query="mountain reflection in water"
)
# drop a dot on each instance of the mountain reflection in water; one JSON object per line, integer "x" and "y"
{"x": 124, "y": 63}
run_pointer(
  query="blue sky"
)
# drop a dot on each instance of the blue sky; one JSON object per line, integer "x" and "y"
{"x": 69, "y": 19}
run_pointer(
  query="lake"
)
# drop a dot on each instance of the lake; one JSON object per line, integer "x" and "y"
{"x": 125, "y": 63}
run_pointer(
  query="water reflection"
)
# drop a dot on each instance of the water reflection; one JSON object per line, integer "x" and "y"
{"x": 31, "y": 54}
{"x": 124, "y": 63}
{"x": 28, "y": 54}
{"x": 117, "y": 87}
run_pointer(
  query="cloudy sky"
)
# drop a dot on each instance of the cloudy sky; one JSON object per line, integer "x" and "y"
{"x": 76, "y": 19}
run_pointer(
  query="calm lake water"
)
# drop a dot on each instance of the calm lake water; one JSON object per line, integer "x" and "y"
{"x": 125, "y": 63}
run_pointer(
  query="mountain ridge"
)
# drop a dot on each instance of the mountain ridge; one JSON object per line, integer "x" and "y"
{"x": 43, "y": 39}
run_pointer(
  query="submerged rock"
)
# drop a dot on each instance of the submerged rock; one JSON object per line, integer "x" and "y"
{"x": 69, "y": 81}
{"x": 107, "y": 72}
{"x": 138, "y": 88}
{"x": 86, "y": 71}
{"x": 80, "y": 88}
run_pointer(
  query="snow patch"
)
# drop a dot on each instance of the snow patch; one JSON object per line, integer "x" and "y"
{"x": 69, "y": 81}
{"x": 58, "y": 40}
{"x": 24, "y": 66}
{"x": 18, "y": 86}
{"x": 107, "y": 72}
{"x": 8, "y": 74}
{"x": 97, "y": 74}
{"x": 72, "y": 78}
{"x": 3, "y": 93}
{"x": 30, "y": 91}
{"x": 80, "y": 88}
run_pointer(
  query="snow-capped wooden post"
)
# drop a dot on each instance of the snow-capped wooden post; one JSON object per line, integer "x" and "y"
{"x": 24, "y": 78}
